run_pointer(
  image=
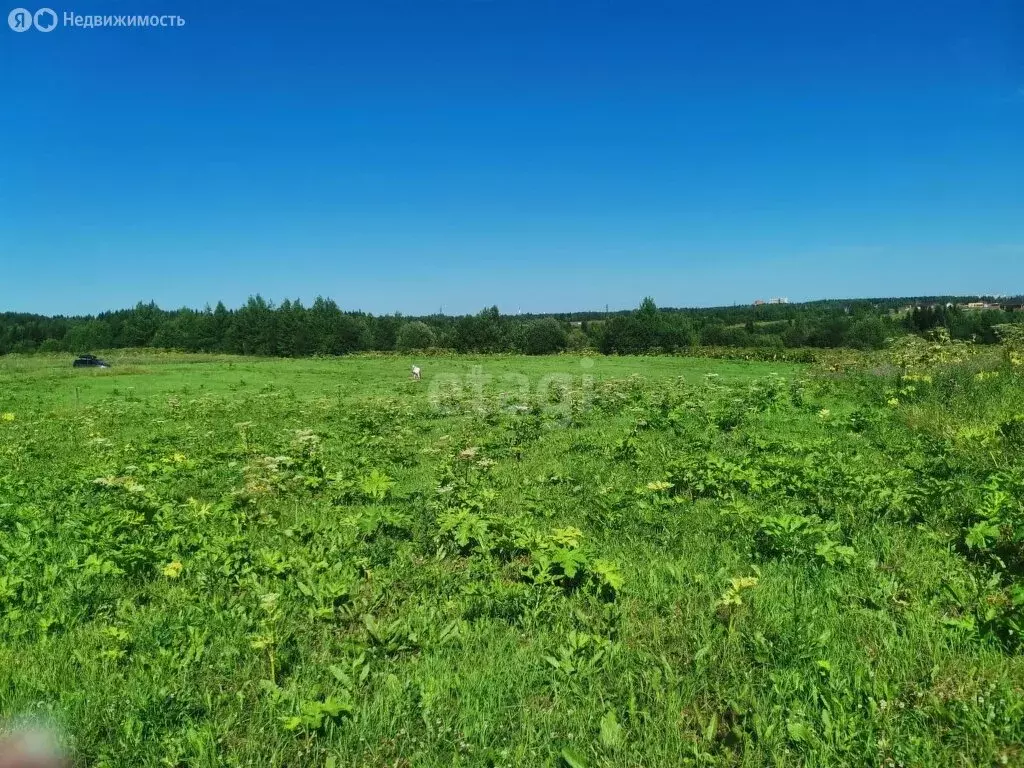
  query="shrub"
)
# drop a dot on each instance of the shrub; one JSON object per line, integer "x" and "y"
{"x": 413, "y": 336}
{"x": 543, "y": 337}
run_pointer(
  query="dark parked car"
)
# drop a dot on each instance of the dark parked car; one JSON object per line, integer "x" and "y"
{"x": 90, "y": 361}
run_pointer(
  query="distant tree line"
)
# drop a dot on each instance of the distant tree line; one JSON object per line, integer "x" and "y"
{"x": 292, "y": 329}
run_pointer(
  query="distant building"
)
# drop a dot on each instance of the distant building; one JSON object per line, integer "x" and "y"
{"x": 778, "y": 301}
{"x": 758, "y": 302}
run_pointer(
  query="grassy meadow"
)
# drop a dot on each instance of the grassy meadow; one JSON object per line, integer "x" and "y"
{"x": 551, "y": 561}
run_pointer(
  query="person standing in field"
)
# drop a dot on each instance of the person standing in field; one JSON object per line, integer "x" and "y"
{"x": 416, "y": 372}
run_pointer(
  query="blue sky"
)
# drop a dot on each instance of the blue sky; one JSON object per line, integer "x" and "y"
{"x": 403, "y": 155}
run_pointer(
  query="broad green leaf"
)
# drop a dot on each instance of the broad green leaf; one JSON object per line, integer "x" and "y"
{"x": 611, "y": 731}
{"x": 799, "y": 732}
{"x": 572, "y": 759}
{"x": 980, "y": 534}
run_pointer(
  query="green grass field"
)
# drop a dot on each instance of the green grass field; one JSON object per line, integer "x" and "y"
{"x": 558, "y": 561}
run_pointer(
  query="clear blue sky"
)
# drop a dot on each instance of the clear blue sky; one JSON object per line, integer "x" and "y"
{"x": 543, "y": 155}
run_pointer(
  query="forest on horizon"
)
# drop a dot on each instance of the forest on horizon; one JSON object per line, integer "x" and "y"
{"x": 292, "y": 329}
